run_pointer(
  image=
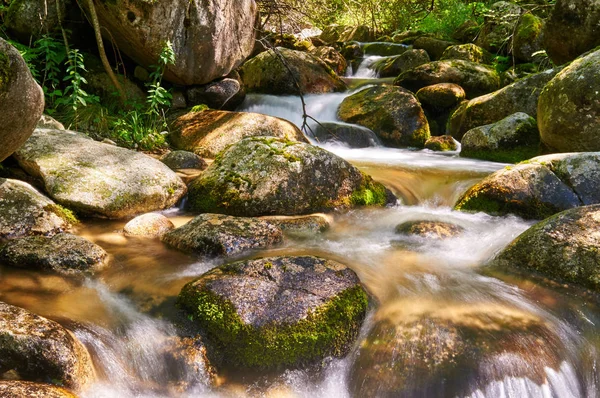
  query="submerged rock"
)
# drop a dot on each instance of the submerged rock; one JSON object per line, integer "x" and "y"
{"x": 98, "y": 179}
{"x": 41, "y": 349}
{"x": 512, "y": 139}
{"x": 21, "y": 100}
{"x": 431, "y": 349}
{"x": 266, "y": 73}
{"x": 278, "y": 311}
{"x": 183, "y": 160}
{"x": 270, "y": 176}
{"x": 149, "y": 225}
{"x": 346, "y": 134}
{"x": 475, "y": 79}
{"x": 429, "y": 229}
{"x": 538, "y": 188}
{"x": 394, "y": 114}
{"x": 394, "y": 66}
{"x": 563, "y": 247}
{"x": 219, "y": 235}
{"x": 209, "y": 132}
{"x": 62, "y": 253}
{"x": 569, "y": 106}
{"x": 25, "y": 211}
{"x": 28, "y": 389}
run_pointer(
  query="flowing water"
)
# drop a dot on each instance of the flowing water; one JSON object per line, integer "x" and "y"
{"x": 127, "y": 317}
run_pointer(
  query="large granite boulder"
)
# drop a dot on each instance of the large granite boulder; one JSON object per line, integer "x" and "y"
{"x": 392, "y": 113}
{"x": 41, "y": 349}
{"x": 569, "y": 107}
{"x": 217, "y": 234}
{"x": 475, "y": 79}
{"x": 278, "y": 311}
{"x": 270, "y": 176}
{"x": 572, "y": 29}
{"x": 538, "y": 188}
{"x": 98, "y": 179}
{"x": 209, "y": 132}
{"x": 21, "y": 100}
{"x": 283, "y": 71}
{"x": 210, "y": 38}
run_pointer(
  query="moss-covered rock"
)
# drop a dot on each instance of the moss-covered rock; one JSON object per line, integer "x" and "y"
{"x": 441, "y": 96}
{"x": 564, "y": 247}
{"x": 149, "y": 225}
{"x": 429, "y": 229}
{"x": 21, "y": 100}
{"x": 279, "y": 311}
{"x": 427, "y": 348}
{"x": 569, "y": 107}
{"x": 441, "y": 143}
{"x": 176, "y": 160}
{"x": 511, "y": 140}
{"x": 62, "y": 253}
{"x": 527, "y": 38}
{"x": 350, "y": 135}
{"x": 538, "y": 188}
{"x": 209, "y": 132}
{"x": 467, "y": 32}
{"x": 332, "y": 58}
{"x": 392, "y": 113}
{"x": 474, "y": 78}
{"x": 270, "y": 176}
{"x": 266, "y": 73}
{"x": 98, "y": 179}
{"x": 29, "y": 19}
{"x": 394, "y": 66}
{"x": 219, "y": 235}
{"x": 521, "y": 96}
{"x": 572, "y": 29}
{"x": 467, "y": 52}
{"x": 41, "y": 349}
{"x": 24, "y": 211}
{"x": 408, "y": 36}
{"x": 303, "y": 225}
{"x": 28, "y": 389}
{"x": 383, "y": 49}
{"x": 500, "y": 23}
{"x": 434, "y": 47}
{"x": 344, "y": 33}
{"x": 352, "y": 51}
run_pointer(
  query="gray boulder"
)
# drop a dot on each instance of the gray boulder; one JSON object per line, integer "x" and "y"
{"x": 347, "y": 134}
{"x": 183, "y": 160}
{"x": 226, "y": 94}
{"x": 394, "y": 66}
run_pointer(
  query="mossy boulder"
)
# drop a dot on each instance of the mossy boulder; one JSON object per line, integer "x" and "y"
{"x": 441, "y": 348}
{"x": 29, "y": 19}
{"x": 467, "y": 52}
{"x": 62, "y": 253}
{"x": 408, "y": 36}
{"x": 572, "y": 29}
{"x": 429, "y": 229}
{"x": 344, "y": 33}
{"x": 266, "y": 73}
{"x": 511, "y": 140}
{"x": 467, "y": 32}
{"x": 40, "y": 349}
{"x": 25, "y": 211}
{"x": 225, "y": 94}
{"x": 521, "y": 96}
{"x": 384, "y": 49}
{"x": 500, "y": 23}
{"x": 527, "y": 38}
{"x": 441, "y": 96}
{"x": 394, "y": 114}
{"x": 150, "y": 225}
{"x": 394, "y": 66}
{"x": 332, "y": 58}
{"x": 209, "y": 132}
{"x": 279, "y": 311}
{"x": 538, "y": 188}
{"x": 352, "y": 51}
{"x": 441, "y": 143}
{"x": 569, "y": 107}
{"x": 270, "y": 176}
{"x": 475, "y": 79}
{"x": 176, "y": 160}
{"x": 303, "y": 225}
{"x": 98, "y": 179}
{"x": 564, "y": 247}
{"x": 350, "y": 135}
{"x": 434, "y": 47}
{"x": 21, "y": 100}
{"x": 28, "y": 389}
{"x": 220, "y": 235}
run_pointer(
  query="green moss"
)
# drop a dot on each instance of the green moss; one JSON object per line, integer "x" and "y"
{"x": 370, "y": 193}
{"x": 529, "y": 27}
{"x": 512, "y": 155}
{"x": 64, "y": 213}
{"x": 328, "y": 331}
